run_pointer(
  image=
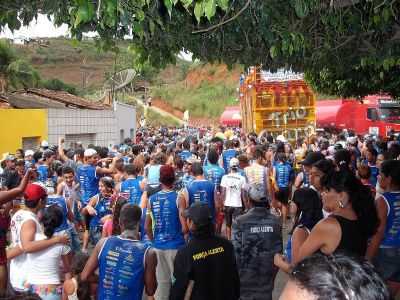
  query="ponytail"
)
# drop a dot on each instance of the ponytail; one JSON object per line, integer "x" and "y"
{"x": 51, "y": 219}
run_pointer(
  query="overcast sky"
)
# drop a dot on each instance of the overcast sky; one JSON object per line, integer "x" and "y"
{"x": 40, "y": 28}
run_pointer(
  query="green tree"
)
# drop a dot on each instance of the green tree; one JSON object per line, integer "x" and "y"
{"x": 15, "y": 72}
{"x": 346, "y": 47}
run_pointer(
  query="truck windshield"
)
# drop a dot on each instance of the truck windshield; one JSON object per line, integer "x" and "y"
{"x": 390, "y": 114}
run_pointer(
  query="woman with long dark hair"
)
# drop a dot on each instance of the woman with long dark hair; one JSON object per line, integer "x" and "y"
{"x": 43, "y": 273}
{"x": 352, "y": 221}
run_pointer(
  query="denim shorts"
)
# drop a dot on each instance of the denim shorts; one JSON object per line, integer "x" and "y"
{"x": 74, "y": 242}
{"x": 387, "y": 263}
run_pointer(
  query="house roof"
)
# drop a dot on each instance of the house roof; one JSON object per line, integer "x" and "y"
{"x": 43, "y": 98}
{"x": 4, "y": 101}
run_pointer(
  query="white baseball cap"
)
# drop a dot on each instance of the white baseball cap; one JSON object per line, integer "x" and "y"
{"x": 29, "y": 152}
{"x": 89, "y": 152}
{"x": 234, "y": 162}
{"x": 281, "y": 138}
{"x": 44, "y": 144}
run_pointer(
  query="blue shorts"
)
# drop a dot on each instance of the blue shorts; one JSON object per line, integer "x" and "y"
{"x": 387, "y": 263}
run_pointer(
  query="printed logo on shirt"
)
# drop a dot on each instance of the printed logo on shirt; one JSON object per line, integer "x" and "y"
{"x": 205, "y": 254}
{"x": 258, "y": 229}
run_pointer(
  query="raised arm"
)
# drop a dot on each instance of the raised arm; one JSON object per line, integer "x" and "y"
{"x": 61, "y": 153}
{"x": 93, "y": 261}
{"x": 7, "y": 196}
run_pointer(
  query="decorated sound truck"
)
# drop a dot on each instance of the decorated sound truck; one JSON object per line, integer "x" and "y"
{"x": 280, "y": 103}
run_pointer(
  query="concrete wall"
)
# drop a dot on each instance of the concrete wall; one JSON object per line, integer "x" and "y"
{"x": 17, "y": 125}
{"x": 126, "y": 121}
{"x": 93, "y": 126}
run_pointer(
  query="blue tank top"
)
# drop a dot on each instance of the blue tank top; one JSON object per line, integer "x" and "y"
{"x": 89, "y": 183}
{"x": 153, "y": 176}
{"x": 61, "y": 203}
{"x": 214, "y": 173}
{"x": 283, "y": 171}
{"x": 374, "y": 175}
{"x": 203, "y": 191}
{"x": 167, "y": 226}
{"x": 103, "y": 208}
{"x": 392, "y": 230}
{"x": 227, "y": 155}
{"x": 43, "y": 171}
{"x": 185, "y": 154}
{"x": 121, "y": 269}
{"x": 131, "y": 187}
{"x": 186, "y": 180}
{"x": 306, "y": 179}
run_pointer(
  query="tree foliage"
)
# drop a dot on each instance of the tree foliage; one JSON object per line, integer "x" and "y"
{"x": 15, "y": 71}
{"x": 345, "y": 47}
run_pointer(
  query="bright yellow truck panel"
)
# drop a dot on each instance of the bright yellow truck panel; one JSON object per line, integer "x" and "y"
{"x": 279, "y": 107}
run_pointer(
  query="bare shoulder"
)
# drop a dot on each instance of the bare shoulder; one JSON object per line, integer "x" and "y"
{"x": 69, "y": 287}
{"x": 327, "y": 225}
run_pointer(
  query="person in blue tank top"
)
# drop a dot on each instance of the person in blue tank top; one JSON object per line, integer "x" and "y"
{"x": 153, "y": 170}
{"x": 45, "y": 171}
{"x": 164, "y": 209}
{"x": 185, "y": 153}
{"x": 187, "y": 169}
{"x": 132, "y": 186}
{"x": 227, "y": 155}
{"x": 371, "y": 155}
{"x": 283, "y": 176}
{"x": 212, "y": 171}
{"x": 99, "y": 208}
{"x": 127, "y": 266}
{"x": 88, "y": 175}
{"x": 201, "y": 190}
{"x": 65, "y": 227}
{"x": 384, "y": 247}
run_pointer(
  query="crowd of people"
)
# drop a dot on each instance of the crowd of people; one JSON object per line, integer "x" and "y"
{"x": 199, "y": 213}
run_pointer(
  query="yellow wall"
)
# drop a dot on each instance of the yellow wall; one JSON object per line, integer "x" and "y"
{"x": 16, "y": 124}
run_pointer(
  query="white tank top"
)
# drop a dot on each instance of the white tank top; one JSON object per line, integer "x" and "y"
{"x": 18, "y": 264}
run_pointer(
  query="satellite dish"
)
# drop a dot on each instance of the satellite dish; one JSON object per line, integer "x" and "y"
{"x": 120, "y": 80}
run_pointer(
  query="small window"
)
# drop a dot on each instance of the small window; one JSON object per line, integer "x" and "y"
{"x": 372, "y": 114}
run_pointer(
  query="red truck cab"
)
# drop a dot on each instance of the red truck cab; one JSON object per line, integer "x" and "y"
{"x": 375, "y": 114}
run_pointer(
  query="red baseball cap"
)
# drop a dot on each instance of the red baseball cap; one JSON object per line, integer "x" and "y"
{"x": 34, "y": 192}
